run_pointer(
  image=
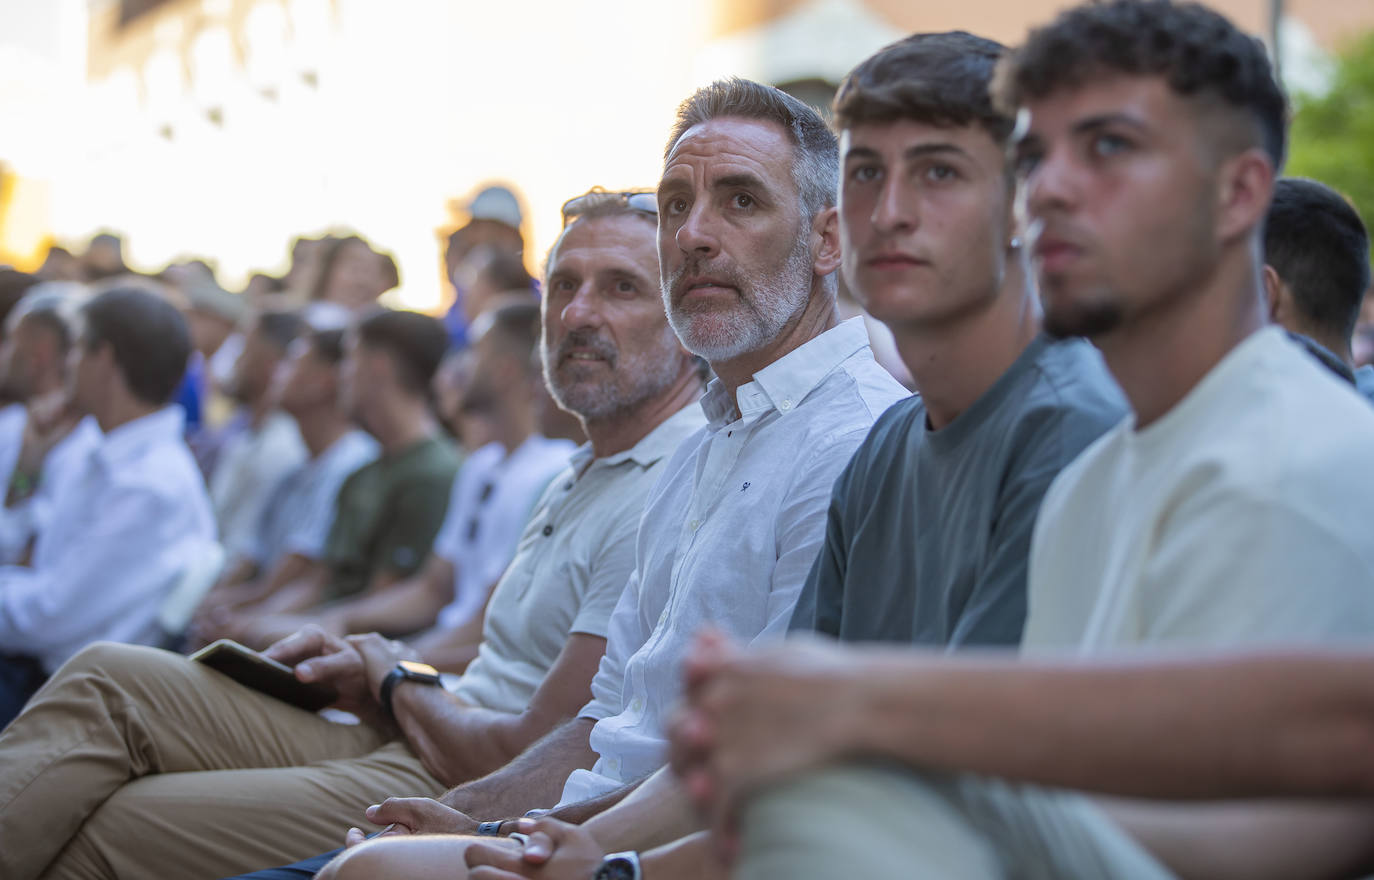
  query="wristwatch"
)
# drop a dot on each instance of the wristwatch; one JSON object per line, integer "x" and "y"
{"x": 406, "y": 670}
{"x": 619, "y": 866}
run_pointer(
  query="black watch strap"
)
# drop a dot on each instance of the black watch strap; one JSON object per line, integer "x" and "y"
{"x": 404, "y": 671}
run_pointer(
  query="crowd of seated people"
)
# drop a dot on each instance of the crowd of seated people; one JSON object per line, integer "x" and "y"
{"x": 1094, "y": 602}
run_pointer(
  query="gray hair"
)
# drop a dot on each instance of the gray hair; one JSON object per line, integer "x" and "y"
{"x": 816, "y": 165}
{"x": 597, "y": 205}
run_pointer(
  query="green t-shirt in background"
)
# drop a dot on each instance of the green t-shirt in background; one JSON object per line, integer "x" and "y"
{"x": 388, "y": 514}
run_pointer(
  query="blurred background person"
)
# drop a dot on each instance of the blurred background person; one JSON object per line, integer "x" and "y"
{"x": 127, "y": 526}
{"x": 255, "y": 461}
{"x": 390, "y": 510}
{"x": 293, "y": 529}
{"x": 44, "y": 442}
{"x": 354, "y": 274}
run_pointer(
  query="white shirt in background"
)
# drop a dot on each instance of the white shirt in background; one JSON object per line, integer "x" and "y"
{"x": 1245, "y": 515}
{"x": 574, "y": 558}
{"x": 123, "y": 531}
{"x": 301, "y": 510}
{"x": 249, "y": 469}
{"x": 20, "y": 524}
{"x": 728, "y": 537}
{"x": 491, "y": 501}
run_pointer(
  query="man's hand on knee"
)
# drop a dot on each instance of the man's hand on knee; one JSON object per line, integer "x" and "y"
{"x": 553, "y": 850}
{"x": 414, "y": 816}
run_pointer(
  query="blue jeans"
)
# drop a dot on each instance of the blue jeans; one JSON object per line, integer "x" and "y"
{"x": 20, "y": 678}
{"x": 299, "y": 871}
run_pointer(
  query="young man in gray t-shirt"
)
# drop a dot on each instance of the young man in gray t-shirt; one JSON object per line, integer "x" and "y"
{"x": 929, "y": 527}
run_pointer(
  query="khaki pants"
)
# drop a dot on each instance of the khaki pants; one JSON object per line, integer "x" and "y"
{"x": 138, "y": 763}
{"x": 874, "y": 821}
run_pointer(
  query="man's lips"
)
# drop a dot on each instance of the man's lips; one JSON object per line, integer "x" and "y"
{"x": 706, "y": 286}
{"x": 893, "y": 260}
{"x": 584, "y": 356}
{"x": 1056, "y": 254}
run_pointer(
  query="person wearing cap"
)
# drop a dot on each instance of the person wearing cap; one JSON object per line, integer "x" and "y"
{"x": 492, "y": 231}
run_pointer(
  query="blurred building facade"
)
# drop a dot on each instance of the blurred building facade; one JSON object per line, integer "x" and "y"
{"x": 224, "y": 127}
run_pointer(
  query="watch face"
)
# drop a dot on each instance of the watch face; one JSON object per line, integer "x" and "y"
{"x": 419, "y": 671}
{"x": 615, "y": 868}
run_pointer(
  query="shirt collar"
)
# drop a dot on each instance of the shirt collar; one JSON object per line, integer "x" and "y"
{"x": 652, "y": 447}
{"x": 784, "y": 383}
{"x": 126, "y": 442}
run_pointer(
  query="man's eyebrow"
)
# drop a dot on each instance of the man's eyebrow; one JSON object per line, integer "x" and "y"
{"x": 862, "y": 153}
{"x": 1102, "y": 120}
{"x": 935, "y": 149}
{"x": 743, "y": 180}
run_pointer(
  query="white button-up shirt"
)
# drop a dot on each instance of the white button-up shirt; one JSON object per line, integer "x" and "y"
{"x": 24, "y": 521}
{"x": 728, "y": 536}
{"x": 122, "y": 533}
{"x": 493, "y": 496}
{"x": 574, "y": 558}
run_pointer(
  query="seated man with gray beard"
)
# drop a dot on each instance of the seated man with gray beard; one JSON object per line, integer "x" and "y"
{"x": 748, "y": 243}
{"x": 135, "y": 762}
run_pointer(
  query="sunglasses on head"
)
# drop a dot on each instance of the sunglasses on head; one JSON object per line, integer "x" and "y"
{"x": 635, "y": 200}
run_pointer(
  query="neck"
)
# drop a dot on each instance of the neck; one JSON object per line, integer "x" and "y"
{"x": 954, "y": 363}
{"x": 121, "y": 411}
{"x": 320, "y": 427}
{"x": 47, "y": 385}
{"x": 515, "y": 424}
{"x": 405, "y": 422}
{"x": 259, "y": 410}
{"x": 818, "y": 316}
{"x": 623, "y": 431}
{"x": 1158, "y": 357}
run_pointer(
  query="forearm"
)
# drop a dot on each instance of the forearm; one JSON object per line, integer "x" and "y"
{"x": 450, "y": 650}
{"x": 457, "y": 742}
{"x": 652, "y": 814}
{"x": 532, "y": 780}
{"x": 1253, "y": 840}
{"x": 397, "y": 609}
{"x": 1254, "y": 725}
{"x": 690, "y": 858}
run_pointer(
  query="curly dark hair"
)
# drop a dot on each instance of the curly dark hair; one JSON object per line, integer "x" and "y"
{"x": 1197, "y": 51}
{"x": 936, "y": 79}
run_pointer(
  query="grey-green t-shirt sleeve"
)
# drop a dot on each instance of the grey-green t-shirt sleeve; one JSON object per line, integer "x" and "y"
{"x": 821, "y": 604}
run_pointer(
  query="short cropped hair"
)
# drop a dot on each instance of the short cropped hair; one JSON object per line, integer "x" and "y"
{"x": 937, "y": 79}
{"x": 149, "y": 338}
{"x": 515, "y": 328}
{"x": 816, "y": 164}
{"x": 1195, "y": 49}
{"x": 415, "y": 343}
{"x": 281, "y": 327}
{"x": 1318, "y": 245}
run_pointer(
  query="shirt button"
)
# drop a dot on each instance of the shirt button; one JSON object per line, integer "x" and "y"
{"x": 786, "y": 404}
{"x": 548, "y": 530}
{"x": 637, "y": 705}
{"x": 694, "y": 524}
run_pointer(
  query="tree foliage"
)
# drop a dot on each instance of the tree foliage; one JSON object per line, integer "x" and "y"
{"x": 1332, "y": 136}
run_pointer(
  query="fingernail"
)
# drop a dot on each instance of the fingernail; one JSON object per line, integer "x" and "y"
{"x": 524, "y": 824}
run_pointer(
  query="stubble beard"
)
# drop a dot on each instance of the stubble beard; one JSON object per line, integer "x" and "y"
{"x": 766, "y": 305}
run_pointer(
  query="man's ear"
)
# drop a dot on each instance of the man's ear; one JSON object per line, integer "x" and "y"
{"x": 825, "y": 242}
{"x": 1275, "y": 298}
{"x": 1245, "y": 186}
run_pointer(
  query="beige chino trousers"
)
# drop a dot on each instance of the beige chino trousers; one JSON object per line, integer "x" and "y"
{"x": 136, "y": 763}
{"x": 883, "y": 821}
